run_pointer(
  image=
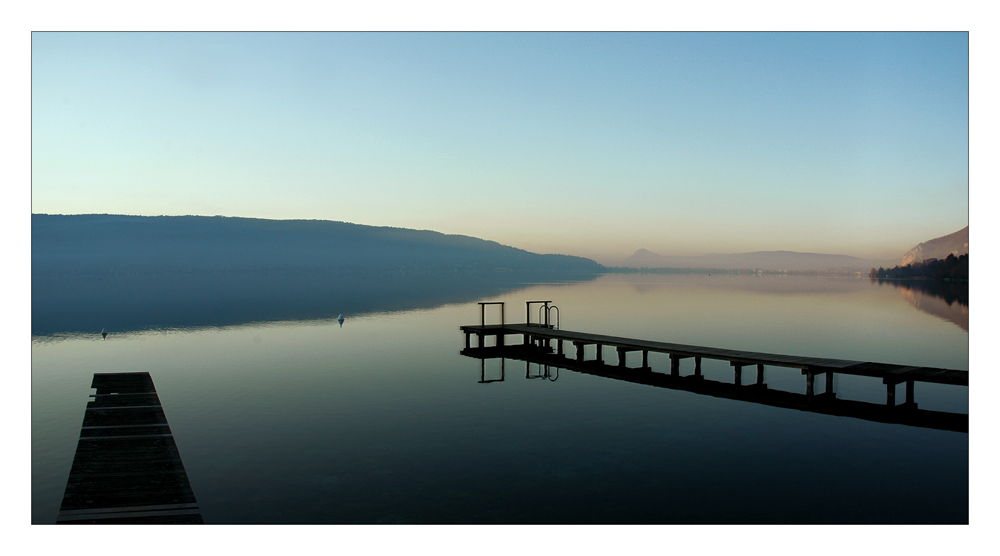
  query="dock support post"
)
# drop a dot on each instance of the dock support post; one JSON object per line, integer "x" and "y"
{"x": 579, "y": 351}
{"x": 500, "y": 340}
{"x": 760, "y": 374}
{"x": 675, "y": 365}
{"x": 829, "y": 383}
{"x": 600, "y": 353}
{"x": 467, "y": 340}
{"x": 890, "y": 394}
{"x": 738, "y": 367}
{"x": 621, "y": 357}
{"x": 809, "y": 383}
{"x": 697, "y": 366}
{"x": 482, "y": 339}
{"x": 909, "y": 393}
{"x": 560, "y": 345}
{"x": 645, "y": 359}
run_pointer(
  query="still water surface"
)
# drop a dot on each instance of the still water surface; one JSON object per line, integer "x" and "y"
{"x": 382, "y": 421}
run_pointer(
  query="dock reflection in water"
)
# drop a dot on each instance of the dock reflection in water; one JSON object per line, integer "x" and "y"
{"x": 537, "y": 348}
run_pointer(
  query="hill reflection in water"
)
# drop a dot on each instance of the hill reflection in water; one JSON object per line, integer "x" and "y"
{"x": 946, "y": 300}
{"x": 71, "y": 303}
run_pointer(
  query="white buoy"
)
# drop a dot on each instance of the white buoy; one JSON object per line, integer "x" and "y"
{"x": 104, "y": 334}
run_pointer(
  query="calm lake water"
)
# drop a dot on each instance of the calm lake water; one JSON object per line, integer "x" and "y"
{"x": 381, "y": 420}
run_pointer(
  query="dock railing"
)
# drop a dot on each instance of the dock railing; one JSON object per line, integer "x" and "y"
{"x": 482, "y": 308}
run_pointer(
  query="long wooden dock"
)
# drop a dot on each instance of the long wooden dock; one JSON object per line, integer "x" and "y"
{"x": 127, "y": 468}
{"x": 538, "y": 340}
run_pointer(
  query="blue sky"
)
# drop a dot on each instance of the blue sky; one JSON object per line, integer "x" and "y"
{"x": 592, "y": 144}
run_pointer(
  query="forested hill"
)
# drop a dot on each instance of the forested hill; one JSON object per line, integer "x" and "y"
{"x": 136, "y": 244}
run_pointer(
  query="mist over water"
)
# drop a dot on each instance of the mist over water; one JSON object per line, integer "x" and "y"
{"x": 382, "y": 421}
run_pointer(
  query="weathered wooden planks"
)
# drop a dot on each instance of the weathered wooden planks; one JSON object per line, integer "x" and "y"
{"x": 127, "y": 468}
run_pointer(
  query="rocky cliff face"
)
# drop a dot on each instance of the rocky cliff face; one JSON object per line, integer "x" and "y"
{"x": 939, "y": 248}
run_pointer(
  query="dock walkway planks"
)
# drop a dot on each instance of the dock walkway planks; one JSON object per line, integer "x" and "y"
{"x": 127, "y": 468}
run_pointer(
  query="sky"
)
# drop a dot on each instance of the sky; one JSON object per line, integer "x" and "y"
{"x": 590, "y": 144}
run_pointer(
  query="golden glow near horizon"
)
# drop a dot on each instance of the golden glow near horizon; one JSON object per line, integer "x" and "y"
{"x": 589, "y": 144}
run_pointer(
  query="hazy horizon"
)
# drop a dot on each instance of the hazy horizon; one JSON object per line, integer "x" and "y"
{"x": 613, "y": 260}
{"x": 587, "y": 144}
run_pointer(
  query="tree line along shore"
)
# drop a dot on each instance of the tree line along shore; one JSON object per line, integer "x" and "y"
{"x": 948, "y": 269}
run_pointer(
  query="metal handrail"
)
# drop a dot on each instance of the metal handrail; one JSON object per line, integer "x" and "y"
{"x": 548, "y": 314}
{"x": 527, "y": 316}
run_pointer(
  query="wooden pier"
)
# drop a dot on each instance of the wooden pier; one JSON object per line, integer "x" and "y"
{"x": 127, "y": 468}
{"x": 538, "y": 340}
